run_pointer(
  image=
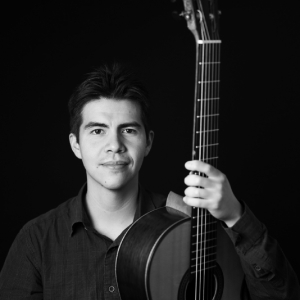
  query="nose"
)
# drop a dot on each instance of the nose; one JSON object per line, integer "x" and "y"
{"x": 115, "y": 143}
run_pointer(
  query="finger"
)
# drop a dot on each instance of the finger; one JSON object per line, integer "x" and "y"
{"x": 196, "y": 180}
{"x": 202, "y": 167}
{"x": 194, "y": 192}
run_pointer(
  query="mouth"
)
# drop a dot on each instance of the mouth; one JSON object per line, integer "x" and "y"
{"x": 115, "y": 165}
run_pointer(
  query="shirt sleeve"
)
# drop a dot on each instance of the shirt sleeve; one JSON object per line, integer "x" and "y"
{"x": 20, "y": 276}
{"x": 268, "y": 274}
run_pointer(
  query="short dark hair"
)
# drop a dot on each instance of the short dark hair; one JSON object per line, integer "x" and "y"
{"x": 116, "y": 82}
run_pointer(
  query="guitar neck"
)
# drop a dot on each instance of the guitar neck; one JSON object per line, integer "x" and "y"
{"x": 206, "y": 102}
{"x": 205, "y": 148}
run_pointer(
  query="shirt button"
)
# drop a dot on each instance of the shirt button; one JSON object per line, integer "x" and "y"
{"x": 111, "y": 289}
{"x": 257, "y": 268}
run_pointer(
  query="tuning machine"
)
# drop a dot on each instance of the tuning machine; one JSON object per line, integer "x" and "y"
{"x": 186, "y": 14}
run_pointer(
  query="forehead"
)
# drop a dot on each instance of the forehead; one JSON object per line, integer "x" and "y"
{"x": 111, "y": 109}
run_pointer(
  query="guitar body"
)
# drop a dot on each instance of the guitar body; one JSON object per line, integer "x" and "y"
{"x": 153, "y": 262}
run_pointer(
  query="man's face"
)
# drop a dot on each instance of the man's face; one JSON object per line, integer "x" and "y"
{"x": 113, "y": 142}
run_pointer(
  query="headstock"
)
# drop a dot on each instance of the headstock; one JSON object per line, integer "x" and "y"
{"x": 202, "y": 18}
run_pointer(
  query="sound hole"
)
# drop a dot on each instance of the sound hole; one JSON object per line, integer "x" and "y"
{"x": 210, "y": 287}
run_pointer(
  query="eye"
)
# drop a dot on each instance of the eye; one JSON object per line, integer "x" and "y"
{"x": 129, "y": 131}
{"x": 97, "y": 131}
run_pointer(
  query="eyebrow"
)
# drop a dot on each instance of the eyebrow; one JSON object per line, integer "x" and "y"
{"x": 96, "y": 124}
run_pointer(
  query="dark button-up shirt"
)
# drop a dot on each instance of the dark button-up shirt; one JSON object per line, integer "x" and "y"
{"x": 268, "y": 274}
{"x": 59, "y": 255}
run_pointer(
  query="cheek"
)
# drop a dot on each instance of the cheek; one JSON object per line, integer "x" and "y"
{"x": 140, "y": 153}
{"x": 90, "y": 150}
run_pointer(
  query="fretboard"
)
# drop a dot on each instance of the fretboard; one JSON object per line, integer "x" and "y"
{"x": 205, "y": 148}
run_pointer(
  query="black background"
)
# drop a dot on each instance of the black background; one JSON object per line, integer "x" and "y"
{"x": 49, "y": 46}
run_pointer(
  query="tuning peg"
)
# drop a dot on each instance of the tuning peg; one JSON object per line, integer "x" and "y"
{"x": 185, "y": 14}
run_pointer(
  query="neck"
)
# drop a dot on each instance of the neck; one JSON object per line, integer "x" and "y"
{"x": 111, "y": 211}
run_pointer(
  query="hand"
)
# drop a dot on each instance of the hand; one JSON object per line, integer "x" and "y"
{"x": 215, "y": 193}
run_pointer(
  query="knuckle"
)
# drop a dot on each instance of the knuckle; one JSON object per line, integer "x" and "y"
{"x": 215, "y": 205}
{"x": 186, "y": 180}
{"x": 218, "y": 197}
{"x": 223, "y": 177}
{"x": 207, "y": 168}
{"x": 186, "y": 192}
{"x": 212, "y": 205}
{"x": 197, "y": 192}
{"x": 197, "y": 180}
{"x": 218, "y": 187}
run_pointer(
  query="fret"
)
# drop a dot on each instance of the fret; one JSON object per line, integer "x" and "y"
{"x": 207, "y": 116}
{"x": 211, "y": 145}
{"x": 208, "y": 81}
{"x": 206, "y": 268}
{"x": 208, "y": 99}
{"x": 207, "y": 248}
{"x": 209, "y": 63}
{"x": 203, "y": 254}
{"x": 206, "y": 240}
{"x": 206, "y": 153}
{"x": 204, "y": 233}
{"x": 203, "y": 257}
{"x": 203, "y": 238}
{"x": 209, "y": 158}
{"x": 208, "y": 220}
{"x": 213, "y": 222}
{"x": 207, "y": 138}
{"x": 203, "y": 42}
{"x": 203, "y": 125}
{"x": 209, "y": 264}
{"x": 202, "y": 215}
{"x": 212, "y": 130}
{"x": 208, "y": 244}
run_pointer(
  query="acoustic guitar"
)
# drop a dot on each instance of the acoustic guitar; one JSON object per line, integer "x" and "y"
{"x": 168, "y": 254}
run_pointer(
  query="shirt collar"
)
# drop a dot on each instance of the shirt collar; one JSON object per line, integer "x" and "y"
{"x": 147, "y": 201}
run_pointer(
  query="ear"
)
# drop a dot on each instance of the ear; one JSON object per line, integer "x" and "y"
{"x": 74, "y": 145}
{"x": 149, "y": 142}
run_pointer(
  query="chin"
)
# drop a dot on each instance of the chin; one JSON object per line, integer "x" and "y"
{"x": 116, "y": 181}
{"x": 114, "y": 184}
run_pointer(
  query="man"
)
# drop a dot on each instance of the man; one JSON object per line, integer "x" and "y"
{"x": 69, "y": 252}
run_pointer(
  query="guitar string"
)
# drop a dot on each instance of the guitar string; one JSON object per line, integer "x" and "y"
{"x": 197, "y": 112}
{"x": 215, "y": 126}
{"x": 206, "y": 128}
{"x": 209, "y": 140}
{"x": 210, "y": 82}
{"x": 201, "y": 150}
{"x": 201, "y": 146}
{"x": 213, "y": 141}
{"x": 204, "y": 154}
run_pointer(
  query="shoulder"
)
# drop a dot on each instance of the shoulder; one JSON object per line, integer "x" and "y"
{"x": 55, "y": 219}
{"x": 158, "y": 200}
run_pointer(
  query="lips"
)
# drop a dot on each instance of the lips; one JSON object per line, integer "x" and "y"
{"x": 113, "y": 163}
